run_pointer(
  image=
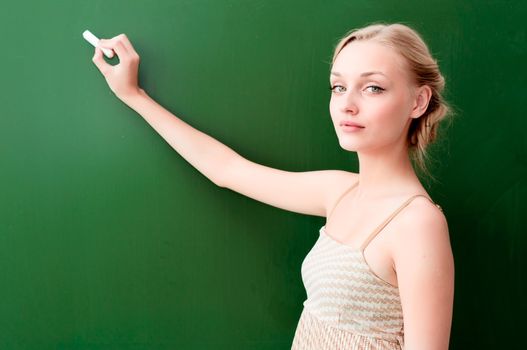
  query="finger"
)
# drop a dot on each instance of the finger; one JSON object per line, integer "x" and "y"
{"x": 100, "y": 62}
{"x": 126, "y": 42}
{"x": 121, "y": 51}
{"x": 115, "y": 44}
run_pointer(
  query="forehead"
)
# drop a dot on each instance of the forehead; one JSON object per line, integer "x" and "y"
{"x": 365, "y": 56}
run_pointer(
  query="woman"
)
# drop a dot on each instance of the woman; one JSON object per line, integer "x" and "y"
{"x": 381, "y": 275}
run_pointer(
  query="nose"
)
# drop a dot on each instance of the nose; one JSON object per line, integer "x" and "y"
{"x": 350, "y": 103}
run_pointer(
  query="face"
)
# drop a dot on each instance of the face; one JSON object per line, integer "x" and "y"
{"x": 381, "y": 102}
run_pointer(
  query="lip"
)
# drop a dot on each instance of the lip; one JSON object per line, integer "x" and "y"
{"x": 349, "y": 126}
{"x": 350, "y": 123}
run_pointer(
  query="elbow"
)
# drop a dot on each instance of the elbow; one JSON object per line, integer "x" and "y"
{"x": 218, "y": 178}
{"x": 218, "y": 183}
{"x": 222, "y": 174}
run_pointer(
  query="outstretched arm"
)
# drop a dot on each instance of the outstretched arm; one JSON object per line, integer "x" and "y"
{"x": 202, "y": 151}
{"x": 310, "y": 192}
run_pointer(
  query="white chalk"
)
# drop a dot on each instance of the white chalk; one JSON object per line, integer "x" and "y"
{"x": 92, "y": 39}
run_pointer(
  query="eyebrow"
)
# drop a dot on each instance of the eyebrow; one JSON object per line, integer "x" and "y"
{"x": 365, "y": 74}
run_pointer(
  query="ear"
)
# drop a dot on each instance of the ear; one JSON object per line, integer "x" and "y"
{"x": 422, "y": 98}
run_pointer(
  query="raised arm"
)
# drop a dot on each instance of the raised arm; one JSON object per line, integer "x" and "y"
{"x": 309, "y": 193}
{"x": 202, "y": 151}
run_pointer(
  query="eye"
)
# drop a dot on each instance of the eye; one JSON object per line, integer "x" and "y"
{"x": 336, "y": 88}
{"x": 377, "y": 89}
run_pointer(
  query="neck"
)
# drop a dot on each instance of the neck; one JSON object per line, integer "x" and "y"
{"x": 384, "y": 172}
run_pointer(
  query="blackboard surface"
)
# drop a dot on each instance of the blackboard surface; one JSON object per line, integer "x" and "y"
{"x": 111, "y": 240}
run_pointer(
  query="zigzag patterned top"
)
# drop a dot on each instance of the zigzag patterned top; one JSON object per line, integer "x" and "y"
{"x": 348, "y": 306}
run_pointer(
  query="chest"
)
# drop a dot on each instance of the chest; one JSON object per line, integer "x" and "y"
{"x": 367, "y": 226}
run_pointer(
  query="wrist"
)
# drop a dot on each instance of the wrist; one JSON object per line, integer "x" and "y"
{"x": 132, "y": 99}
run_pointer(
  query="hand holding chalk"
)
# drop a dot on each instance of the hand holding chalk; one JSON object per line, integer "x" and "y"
{"x": 92, "y": 39}
{"x": 122, "y": 78}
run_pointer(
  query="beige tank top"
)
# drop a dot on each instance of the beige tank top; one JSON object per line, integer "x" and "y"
{"x": 348, "y": 306}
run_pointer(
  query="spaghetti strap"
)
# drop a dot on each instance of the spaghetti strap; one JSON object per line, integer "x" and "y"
{"x": 381, "y": 226}
{"x": 339, "y": 199}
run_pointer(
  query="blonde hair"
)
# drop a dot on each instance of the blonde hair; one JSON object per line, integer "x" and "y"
{"x": 423, "y": 69}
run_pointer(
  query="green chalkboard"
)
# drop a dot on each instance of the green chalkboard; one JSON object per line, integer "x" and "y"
{"x": 109, "y": 239}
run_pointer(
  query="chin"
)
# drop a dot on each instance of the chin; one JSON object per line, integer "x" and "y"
{"x": 348, "y": 146}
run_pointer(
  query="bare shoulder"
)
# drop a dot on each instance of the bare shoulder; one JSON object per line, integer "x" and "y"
{"x": 422, "y": 234}
{"x": 339, "y": 182}
{"x": 422, "y": 211}
{"x": 422, "y": 220}
{"x": 343, "y": 179}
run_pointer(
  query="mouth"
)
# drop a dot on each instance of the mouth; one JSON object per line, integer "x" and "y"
{"x": 346, "y": 123}
{"x": 349, "y": 126}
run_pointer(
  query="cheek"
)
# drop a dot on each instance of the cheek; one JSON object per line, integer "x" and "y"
{"x": 333, "y": 110}
{"x": 388, "y": 112}
{"x": 331, "y": 105}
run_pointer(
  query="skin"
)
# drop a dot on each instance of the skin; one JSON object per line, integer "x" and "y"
{"x": 413, "y": 251}
{"x": 383, "y": 158}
